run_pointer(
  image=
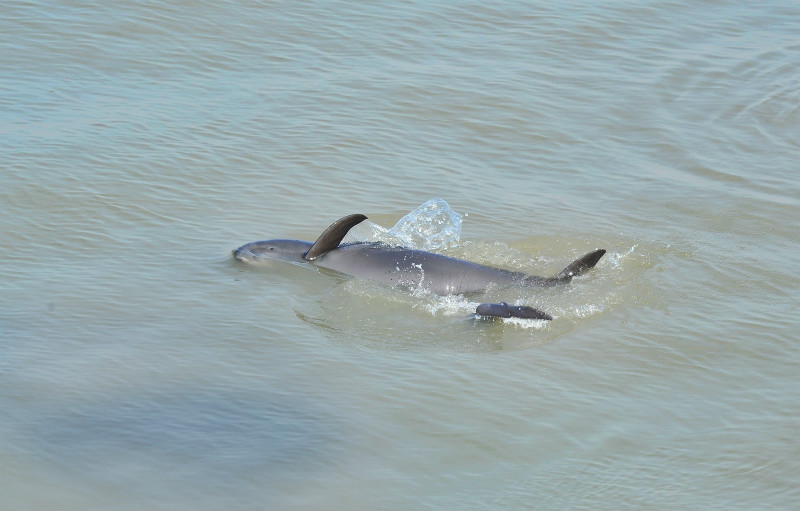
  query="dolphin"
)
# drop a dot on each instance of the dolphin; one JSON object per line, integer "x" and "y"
{"x": 409, "y": 268}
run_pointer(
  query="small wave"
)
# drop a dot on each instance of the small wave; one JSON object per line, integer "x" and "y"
{"x": 585, "y": 311}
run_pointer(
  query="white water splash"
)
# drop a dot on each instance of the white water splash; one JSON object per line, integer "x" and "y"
{"x": 536, "y": 324}
{"x": 448, "y": 305}
{"x": 431, "y": 226}
{"x": 615, "y": 258}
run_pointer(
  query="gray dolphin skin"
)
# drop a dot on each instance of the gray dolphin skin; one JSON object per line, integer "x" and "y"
{"x": 408, "y": 268}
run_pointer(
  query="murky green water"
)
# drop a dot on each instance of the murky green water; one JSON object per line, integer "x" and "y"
{"x": 141, "y": 367}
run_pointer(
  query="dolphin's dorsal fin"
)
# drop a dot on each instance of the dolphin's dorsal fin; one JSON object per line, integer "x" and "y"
{"x": 332, "y": 236}
{"x": 581, "y": 264}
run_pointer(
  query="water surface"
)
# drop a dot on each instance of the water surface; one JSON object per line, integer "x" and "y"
{"x": 141, "y": 367}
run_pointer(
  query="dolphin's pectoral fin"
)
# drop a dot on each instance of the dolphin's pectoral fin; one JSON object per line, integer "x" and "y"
{"x": 581, "y": 264}
{"x": 504, "y": 310}
{"x": 333, "y": 235}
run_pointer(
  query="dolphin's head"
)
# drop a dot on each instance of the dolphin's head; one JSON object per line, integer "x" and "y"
{"x": 262, "y": 251}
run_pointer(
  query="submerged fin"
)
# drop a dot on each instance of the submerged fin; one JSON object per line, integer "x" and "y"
{"x": 332, "y": 236}
{"x": 579, "y": 265}
{"x": 504, "y": 310}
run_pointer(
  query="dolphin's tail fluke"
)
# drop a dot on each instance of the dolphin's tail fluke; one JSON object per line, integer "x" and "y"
{"x": 504, "y": 310}
{"x": 580, "y": 265}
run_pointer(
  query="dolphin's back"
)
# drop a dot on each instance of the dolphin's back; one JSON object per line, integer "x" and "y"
{"x": 413, "y": 269}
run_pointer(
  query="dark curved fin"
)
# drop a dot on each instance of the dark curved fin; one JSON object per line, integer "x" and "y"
{"x": 579, "y": 265}
{"x": 332, "y": 236}
{"x": 504, "y": 310}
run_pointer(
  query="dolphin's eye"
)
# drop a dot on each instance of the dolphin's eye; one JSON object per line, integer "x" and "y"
{"x": 272, "y": 248}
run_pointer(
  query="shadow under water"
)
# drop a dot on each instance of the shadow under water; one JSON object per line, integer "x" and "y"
{"x": 190, "y": 445}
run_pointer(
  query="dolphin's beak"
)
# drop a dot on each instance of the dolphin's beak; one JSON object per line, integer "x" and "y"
{"x": 242, "y": 254}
